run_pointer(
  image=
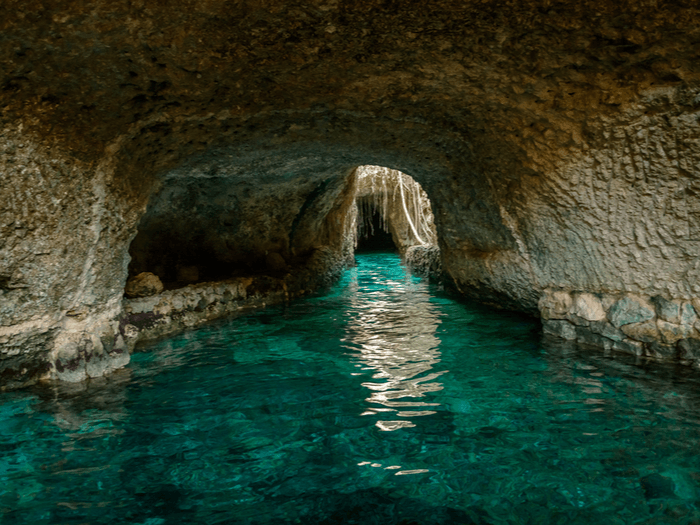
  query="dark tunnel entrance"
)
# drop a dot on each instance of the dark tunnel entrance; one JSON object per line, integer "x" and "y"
{"x": 372, "y": 234}
{"x": 393, "y": 212}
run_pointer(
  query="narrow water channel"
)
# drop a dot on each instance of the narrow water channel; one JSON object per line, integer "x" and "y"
{"x": 384, "y": 401}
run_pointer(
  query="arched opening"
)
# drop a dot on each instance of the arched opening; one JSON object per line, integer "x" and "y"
{"x": 212, "y": 221}
{"x": 204, "y": 229}
{"x": 372, "y": 233}
{"x": 393, "y": 211}
{"x": 394, "y": 214}
{"x": 237, "y": 227}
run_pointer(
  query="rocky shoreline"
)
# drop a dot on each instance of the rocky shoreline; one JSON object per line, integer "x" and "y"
{"x": 653, "y": 327}
{"x": 93, "y": 347}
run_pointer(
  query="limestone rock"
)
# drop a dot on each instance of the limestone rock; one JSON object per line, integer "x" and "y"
{"x": 662, "y": 351}
{"x": 130, "y": 331}
{"x": 630, "y": 309}
{"x": 425, "y": 261}
{"x": 160, "y": 151}
{"x": 555, "y": 304}
{"x": 629, "y": 346}
{"x": 585, "y": 336}
{"x": 560, "y": 328}
{"x": 696, "y": 305}
{"x": 671, "y": 333}
{"x": 588, "y": 307}
{"x": 688, "y": 316}
{"x": 607, "y": 330}
{"x": 646, "y": 331}
{"x": 689, "y": 349}
{"x": 143, "y": 285}
{"x": 669, "y": 311}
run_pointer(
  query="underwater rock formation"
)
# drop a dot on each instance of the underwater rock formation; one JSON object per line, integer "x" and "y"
{"x": 558, "y": 143}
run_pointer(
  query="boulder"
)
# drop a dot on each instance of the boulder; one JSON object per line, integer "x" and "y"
{"x": 630, "y": 309}
{"x": 588, "y": 307}
{"x": 669, "y": 311}
{"x": 659, "y": 350}
{"x": 689, "y": 349}
{"x": 671, "y": 333}
{"x": 605, "y": 329}
{"x": 560, "y": 328}
{"x": 646, "y": 332}
{"x": 143, "y": 285}
{"x": 555, "y": 304}
{"x": 688, "y": 315}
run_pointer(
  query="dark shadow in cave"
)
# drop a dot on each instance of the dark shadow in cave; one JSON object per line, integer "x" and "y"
{"x": 373, "y": 237}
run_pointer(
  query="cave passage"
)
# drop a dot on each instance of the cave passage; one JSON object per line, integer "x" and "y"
{"x": 383, "y": 401}
{"x": 205, "y": 229}
{"x": 372, "y": 235}
{"x": 393, "y": 211}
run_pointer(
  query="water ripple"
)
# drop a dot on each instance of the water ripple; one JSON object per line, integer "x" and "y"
{"x": 391, "y": 331}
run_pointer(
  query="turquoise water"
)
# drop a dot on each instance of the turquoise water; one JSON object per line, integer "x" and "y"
{"x": 384, "y": 401}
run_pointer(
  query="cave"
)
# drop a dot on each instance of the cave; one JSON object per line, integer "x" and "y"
{"x": 174, "y": 169}
{"x": 225, "y": 226}
{"x": 393, "y": 211}
{"x": 559, "y": 153}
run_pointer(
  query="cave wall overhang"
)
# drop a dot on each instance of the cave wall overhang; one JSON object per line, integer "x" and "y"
{"x": 558, "y": 142}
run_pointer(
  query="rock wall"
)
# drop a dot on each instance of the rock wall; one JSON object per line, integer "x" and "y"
{"x": 425, "y": 261}
{"x": 653, "y": 327}
{"x": 172, "y": 311}
{"x": 220, "y": 218}
{"x": 558, "y": 143}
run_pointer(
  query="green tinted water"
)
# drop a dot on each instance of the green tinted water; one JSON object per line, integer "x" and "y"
{"x": 384, "y": 401}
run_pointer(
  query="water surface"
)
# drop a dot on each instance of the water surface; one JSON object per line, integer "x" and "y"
{"x": 384, "y": 401}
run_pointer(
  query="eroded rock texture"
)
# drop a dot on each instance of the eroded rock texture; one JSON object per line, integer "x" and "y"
{"x": 558, "y": 142}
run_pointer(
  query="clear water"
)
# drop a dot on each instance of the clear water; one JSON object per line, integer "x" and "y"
{"x": 382, "y": 402}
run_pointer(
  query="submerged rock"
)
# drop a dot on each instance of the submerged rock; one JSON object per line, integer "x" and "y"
{"x": 656, "y": 486}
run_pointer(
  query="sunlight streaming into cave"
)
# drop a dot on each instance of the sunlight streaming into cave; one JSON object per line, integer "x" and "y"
{"x": 392, "y": 208}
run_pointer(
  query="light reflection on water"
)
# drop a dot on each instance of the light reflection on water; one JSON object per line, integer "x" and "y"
{"x": 391, "y": 331}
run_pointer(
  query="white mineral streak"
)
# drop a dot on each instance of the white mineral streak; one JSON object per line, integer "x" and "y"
{"x": 386, "y": 191}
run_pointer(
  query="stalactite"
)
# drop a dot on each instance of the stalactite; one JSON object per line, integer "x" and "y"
{"x": 382, "y": 190}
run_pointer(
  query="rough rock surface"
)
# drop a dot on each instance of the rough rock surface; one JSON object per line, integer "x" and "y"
{"x": 558, "y": 142}
{"x": 425, "y": 261}
{"x": 169, "y": 312}
{"x": 631, "y": 323}
{"x": 143, "y": 285}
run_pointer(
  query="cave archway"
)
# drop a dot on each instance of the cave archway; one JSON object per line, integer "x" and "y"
{"x": 211, "y": 220}
{"x": 249, "y": 204}
{"x": 393, "y": 211}
{"x": 572, "y": 170}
